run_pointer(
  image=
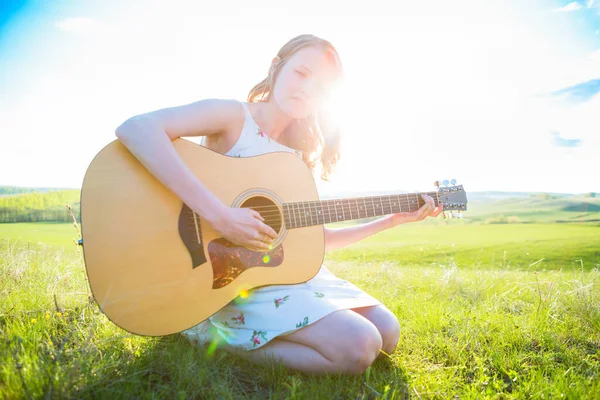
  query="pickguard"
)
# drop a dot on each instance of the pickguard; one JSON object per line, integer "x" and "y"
{"x": 230, "y": 260}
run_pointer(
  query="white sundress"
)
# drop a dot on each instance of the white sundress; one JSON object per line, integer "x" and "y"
{"x": 271, "y": 311}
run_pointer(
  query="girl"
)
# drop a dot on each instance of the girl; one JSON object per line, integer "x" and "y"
{"x": 325, "y": 325}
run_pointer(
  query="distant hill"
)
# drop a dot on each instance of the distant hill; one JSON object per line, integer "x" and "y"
{"x": 12, "y": 190}
{"x": 36, "y": 206}
{"x": 538, "y": 207}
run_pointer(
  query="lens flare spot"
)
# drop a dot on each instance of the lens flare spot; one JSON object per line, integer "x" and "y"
{"x": 211, "y": 349}
{"x": 244, "y": 293}
{"x": 266, "y": 259}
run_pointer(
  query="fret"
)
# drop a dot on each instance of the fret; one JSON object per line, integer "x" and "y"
{"x": 310, "y": 213}
{"x": 298, "y": 218}
{"x": 390, "y": 201}
{"x": 321, "y": 213}
{"x": 335, "y": 209}
{"x": 305, "y": 213}
{"x": 349, "y": 208}
{"x": 329, "y": 210}
{"x": 291, "y": 214}
{"x": 343, "y": 214}
{"x": 379, "y": 207}
{"x": 373, "y": 203}
{"x": 398, "y": 202}
{"x": 299, "y": 210}
{"x": 317, "y": 212}
{"x": 365, "y": 203}
{"x": 335, "y": 217}
{"x": 356, "y": 204}
{"x": 417, "y": 200}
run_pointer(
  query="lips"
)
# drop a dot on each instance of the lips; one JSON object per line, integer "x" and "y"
{"x": 299, "y": 100}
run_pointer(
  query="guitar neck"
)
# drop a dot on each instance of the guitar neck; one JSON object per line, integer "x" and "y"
{"x": 302, "y": 214}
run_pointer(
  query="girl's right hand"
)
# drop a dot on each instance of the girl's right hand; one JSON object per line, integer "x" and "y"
{"x": 244, "y": 227}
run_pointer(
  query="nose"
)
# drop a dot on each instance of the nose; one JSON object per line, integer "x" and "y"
{"x": 311, "y": 88}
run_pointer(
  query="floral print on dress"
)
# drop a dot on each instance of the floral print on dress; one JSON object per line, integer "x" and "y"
{"x": 239, "y": 320}
{"x": 319, "y": 295}
{"x": 280, "y": 301}
{"x": 302, "y": 323}
{"x": 256, "y": 336}
{"x": 263, "y": 134}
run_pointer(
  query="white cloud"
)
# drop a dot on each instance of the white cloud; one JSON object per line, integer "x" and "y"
{"x": 590, "y": 3}
{"x": 573, "y": 6}
{"x": 76, "y": 24}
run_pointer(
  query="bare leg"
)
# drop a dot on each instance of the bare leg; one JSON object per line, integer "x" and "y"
{"x": 293, "y": 355}
{"x": 342, "y": 341}
{"x": 386, "y": 323}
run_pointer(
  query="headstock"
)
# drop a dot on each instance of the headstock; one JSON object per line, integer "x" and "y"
{"x": 454, "y": 198}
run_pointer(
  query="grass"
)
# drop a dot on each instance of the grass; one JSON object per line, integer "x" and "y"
{"x": 476, "y": 322}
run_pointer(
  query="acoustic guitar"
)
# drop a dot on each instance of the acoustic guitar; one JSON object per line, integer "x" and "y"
{"x": 155, "y": 267}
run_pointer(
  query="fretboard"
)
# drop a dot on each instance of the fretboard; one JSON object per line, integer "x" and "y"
{"x": 309, "y": 213}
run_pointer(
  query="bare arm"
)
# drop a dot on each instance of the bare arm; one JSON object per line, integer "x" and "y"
{"x": 337, "y": 238}
{"x": 148, "y": 137}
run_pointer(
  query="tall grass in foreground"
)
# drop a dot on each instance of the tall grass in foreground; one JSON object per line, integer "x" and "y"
{"x": 466, "y": 333}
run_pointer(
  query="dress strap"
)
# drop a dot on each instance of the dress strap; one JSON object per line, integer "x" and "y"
{"x": 245, "y": 105}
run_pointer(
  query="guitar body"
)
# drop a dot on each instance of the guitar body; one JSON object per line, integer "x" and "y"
{"x": 157, "y": 268}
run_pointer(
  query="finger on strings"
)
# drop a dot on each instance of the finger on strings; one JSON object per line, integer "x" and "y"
{"x": 256, "y": 214}
{"x": 258, "y": 245}
{"x": 421, "y": 213}
{"x": 267, "y": 230}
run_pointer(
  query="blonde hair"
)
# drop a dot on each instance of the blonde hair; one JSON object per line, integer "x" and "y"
{"x": 320, "y": 142}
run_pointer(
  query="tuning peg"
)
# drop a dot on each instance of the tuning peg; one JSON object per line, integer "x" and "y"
{"x": 453, "y": 182}
{"x": 445, "y": 182}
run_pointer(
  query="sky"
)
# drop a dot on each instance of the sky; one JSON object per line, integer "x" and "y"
{"x": 499, "y": 95}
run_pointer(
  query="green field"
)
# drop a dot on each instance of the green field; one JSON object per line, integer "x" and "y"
{"x": 487, "y": 311}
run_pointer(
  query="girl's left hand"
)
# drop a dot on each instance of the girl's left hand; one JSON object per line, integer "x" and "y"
{"x": 427, "y": 209}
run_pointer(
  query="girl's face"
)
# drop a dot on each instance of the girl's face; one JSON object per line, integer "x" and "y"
{"x": 304, "y": 82}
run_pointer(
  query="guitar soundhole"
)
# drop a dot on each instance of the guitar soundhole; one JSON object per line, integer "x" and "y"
{"x": 268, "y": 209}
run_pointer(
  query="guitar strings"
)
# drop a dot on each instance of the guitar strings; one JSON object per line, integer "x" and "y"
{"x": 364, "y": 199}
{"x": 273, "y": 209}
{"x": 301, "y": 206}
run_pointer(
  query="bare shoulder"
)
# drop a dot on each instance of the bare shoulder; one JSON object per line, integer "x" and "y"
{"x": 200, "y": 118}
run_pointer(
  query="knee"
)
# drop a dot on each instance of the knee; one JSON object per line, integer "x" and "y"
{"x": 390, "y": 334}
{"x": 365, "y": 348}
